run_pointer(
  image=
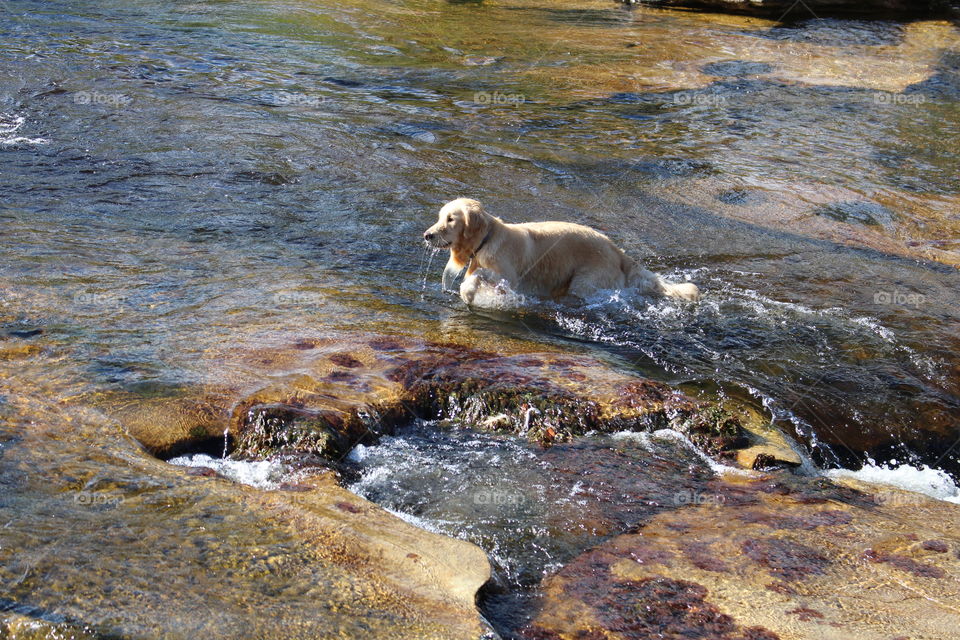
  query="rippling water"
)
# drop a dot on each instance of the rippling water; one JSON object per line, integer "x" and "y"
{"x": 182, "y": 180}
{"x": 181, "y": 175}
{"x": 531, "y": 509}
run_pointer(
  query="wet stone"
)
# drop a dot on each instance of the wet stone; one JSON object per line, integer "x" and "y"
{"x": 867, "y": 213}
{"x": 741, "y": 196}
{"x": 737, "y": 68}
{"x": 785, "y": 559}
{"x": 937, "y": 546}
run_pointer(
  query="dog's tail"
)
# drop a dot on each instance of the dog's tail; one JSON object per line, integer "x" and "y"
{"x": 649, "y": 283}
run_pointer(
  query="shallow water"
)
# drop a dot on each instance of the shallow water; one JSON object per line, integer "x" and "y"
{"x": 179, "y": 177}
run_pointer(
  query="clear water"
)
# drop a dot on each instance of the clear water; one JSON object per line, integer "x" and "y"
{"x": 179, "y": 176}
{"x": 179, "y": 180}
{"x": 531, "y": 509}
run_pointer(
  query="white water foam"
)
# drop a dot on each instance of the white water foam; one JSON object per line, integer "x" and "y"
{"x": 9, "y": 124}
{"x": 434, "y": 526}
{"x": 497, "y": 296}
{"x": 261, "y": 474}
{"x": 358, "y": 453}
{"x": 930, "y": 482}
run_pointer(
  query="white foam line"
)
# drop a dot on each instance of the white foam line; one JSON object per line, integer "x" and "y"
{"x": 645, "y": 440}
{"x": 11, "y": 124}
{"x": 261, "y": 474}
{"x": 717, "y": 467}
{"x": 930, "y": 482}
{"x": 21, "y": 140}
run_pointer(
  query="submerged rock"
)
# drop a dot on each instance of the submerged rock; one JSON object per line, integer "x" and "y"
{"x": 868, "y": 213}
{"x": 133, "y": 548}
{"x": 101, "y": 540}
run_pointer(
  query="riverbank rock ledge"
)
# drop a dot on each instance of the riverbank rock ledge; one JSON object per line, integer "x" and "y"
{"x": 163, "y": 551}
{"x": 768, "y": 558}
{"x": 808, "y": 9}
{"x": 327, "y": 396}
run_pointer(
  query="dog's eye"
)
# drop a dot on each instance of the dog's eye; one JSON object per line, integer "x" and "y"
{"x": 450, "y": 219}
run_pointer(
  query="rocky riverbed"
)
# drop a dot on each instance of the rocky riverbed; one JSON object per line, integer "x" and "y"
{"x": 645, "y": 556}
{"x": 235, "y": 402}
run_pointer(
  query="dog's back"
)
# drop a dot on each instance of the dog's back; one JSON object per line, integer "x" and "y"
{"x": 577, "y": 248}
{"x": 567, "y": 258}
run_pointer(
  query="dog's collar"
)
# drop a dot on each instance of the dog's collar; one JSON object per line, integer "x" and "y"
{"x": 479, "y": 246}
{"x": 473, "y": 256}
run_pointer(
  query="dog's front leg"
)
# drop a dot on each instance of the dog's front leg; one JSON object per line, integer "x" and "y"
{"x": 450, "y": 274}
{"x": 476, "y": 281}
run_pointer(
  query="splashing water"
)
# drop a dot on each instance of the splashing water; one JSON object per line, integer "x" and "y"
{"x": 918, "y": 479}
{"x": 262, "y": 474}
{"x": 804, "y": 367}
{"x": 428, "y": 253}
{"x": 10, "y": 124}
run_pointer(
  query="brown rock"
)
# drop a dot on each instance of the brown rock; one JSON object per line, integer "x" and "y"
{"x": 326, "y": 410}
{"x": 783, "y": 566}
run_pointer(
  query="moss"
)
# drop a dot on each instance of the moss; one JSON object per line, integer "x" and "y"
{"x": 198, "y": 431}
{"x": 274, "y": 429}
{"x": 478, "y": 390}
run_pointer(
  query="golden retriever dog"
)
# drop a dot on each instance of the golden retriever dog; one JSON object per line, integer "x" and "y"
{"x": 542, "y": 259}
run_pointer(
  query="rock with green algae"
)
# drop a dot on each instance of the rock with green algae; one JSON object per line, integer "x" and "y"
{"x": 774, "y": 557}
{"x": 323, "y": 400}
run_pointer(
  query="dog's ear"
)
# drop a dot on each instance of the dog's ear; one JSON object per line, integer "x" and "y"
{"x": 475, "y": 224}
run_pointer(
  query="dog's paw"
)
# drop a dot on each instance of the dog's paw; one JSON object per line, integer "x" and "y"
{"x": 469, "y": 288}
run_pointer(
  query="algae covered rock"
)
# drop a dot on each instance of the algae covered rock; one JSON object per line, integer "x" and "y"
{"x": 324, "y": 400}
{"x": 276, "y": 429}
{"x": 546, "y": 397}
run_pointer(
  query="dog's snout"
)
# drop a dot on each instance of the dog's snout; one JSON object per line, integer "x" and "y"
{"x": 427, "y": 235}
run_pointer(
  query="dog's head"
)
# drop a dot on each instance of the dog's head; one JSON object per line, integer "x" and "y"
{"x": 461, "y": 227}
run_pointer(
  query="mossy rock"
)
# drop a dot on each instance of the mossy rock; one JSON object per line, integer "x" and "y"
{"x": 277, "y": 429}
